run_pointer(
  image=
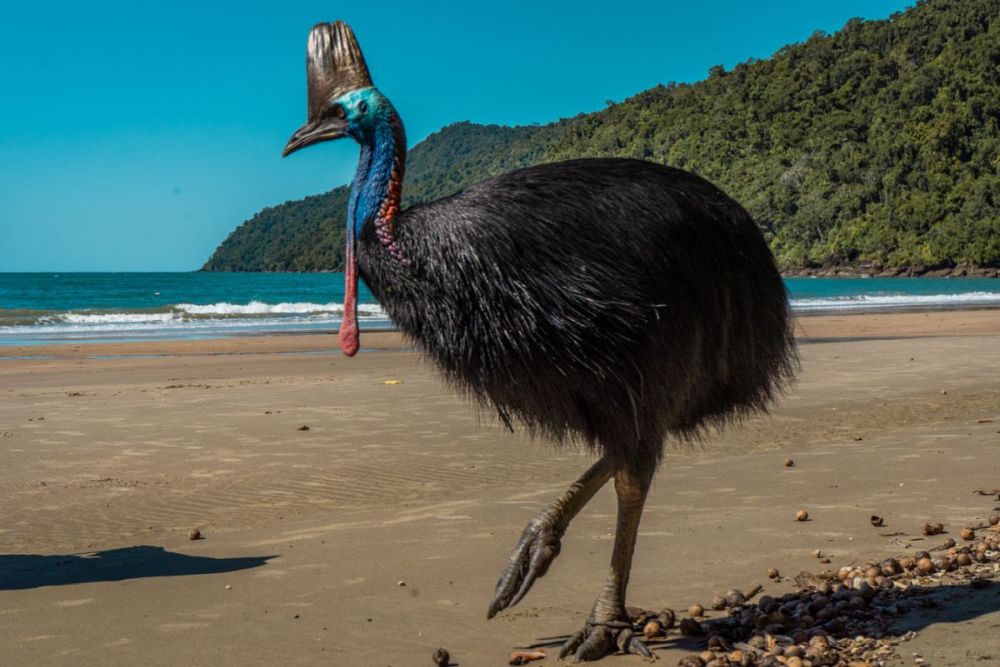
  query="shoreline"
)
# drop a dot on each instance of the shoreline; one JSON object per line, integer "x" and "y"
{"x": 809, "y": 327}
{"x": 42, "y": 347}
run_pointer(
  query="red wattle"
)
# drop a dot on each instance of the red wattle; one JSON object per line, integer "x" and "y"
{"x": 349, "y": 339}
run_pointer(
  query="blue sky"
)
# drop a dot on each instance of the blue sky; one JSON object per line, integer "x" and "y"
{"x": 135, "y": 136}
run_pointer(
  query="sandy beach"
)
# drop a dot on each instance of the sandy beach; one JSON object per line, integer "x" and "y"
{"x": 357, "y": 512}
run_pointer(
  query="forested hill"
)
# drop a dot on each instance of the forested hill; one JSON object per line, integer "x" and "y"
{"x": 877, "y": 146}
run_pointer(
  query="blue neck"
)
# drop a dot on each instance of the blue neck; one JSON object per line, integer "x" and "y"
{"x": 383, "y": 156}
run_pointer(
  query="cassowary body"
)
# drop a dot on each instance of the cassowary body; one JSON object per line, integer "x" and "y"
{"x": 617, "y": 301}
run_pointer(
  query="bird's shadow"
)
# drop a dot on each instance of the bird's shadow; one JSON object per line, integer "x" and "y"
{"x": 24, "y": 571}
{"x": 956, "y": 603}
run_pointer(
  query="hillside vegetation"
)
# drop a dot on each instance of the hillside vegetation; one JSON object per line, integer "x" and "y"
{"x": 876, "y": 147}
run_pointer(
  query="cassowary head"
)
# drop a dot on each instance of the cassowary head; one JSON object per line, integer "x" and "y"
{"x": 342, "y": 100}
{"x": 343, "y": 103}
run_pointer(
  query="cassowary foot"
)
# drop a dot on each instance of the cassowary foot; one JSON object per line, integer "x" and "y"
{"x": 601, "y": 638}
{"x": 535, "y": 551}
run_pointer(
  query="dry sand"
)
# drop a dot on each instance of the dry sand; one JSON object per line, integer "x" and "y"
{"x": 109, "y": 454}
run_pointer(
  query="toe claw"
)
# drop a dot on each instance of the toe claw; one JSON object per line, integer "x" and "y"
{"x": 538, "y": 546}
{"x": 572, "y": 643}
{"x": 595, "y": 646}
{"x": 638, "y": 647}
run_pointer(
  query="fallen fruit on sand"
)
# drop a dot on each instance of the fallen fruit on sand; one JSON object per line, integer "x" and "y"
{"x": 789, "y": 463}
{"x": 667, "y": 618}
{"x": 773, "y": 573}
{"x": 933, "y": 528}
{"x": 890, "y": 567}
{"x": 696, "y": 611}
{"x": 802, "y": 515}
{"x": 949, "y": 543}
{"x": 877, "y": 521}
{"x": 524, "y": 657}
{"x": 441, "y": 658}
{"x": 843, "y": 620}
{"x": 652, "y": 629}
{"x": 194, "y": 534}
{"x": 994, "y": 519}
{"x": 968, "y": 534}
{"x": 718, "y": 603}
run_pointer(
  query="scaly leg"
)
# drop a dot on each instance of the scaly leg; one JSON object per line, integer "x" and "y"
{"x": 608, "y": 628}
{"x": 540, "y": 541}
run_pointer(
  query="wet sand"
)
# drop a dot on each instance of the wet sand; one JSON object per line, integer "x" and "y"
{"x": 376, "y": 535}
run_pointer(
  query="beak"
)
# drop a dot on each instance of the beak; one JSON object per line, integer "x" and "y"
{"x": 314, "y": 132}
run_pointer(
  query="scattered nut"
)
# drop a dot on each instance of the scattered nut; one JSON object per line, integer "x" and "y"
{"x": 933, "y": 528}
{"x": 773, "y": 573}
{"x": 802, "y": 515}
{"x": 696, "y": 611}
{"x": 789, "y": 463}
{"x": 968, "y": 534}
{"x": 441, "y": 658}
{"x": 195, "y": 534}
{"x": 877, "y": 521}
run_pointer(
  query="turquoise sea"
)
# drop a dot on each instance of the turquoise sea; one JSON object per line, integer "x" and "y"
{"x": 38, "y": 308}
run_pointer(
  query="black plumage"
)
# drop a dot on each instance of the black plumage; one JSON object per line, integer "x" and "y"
{"x": 617, "y": 300}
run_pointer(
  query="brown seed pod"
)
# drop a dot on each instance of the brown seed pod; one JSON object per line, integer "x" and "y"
{"x": 195, "y": 534}
{"x": 968, "y": 534}
{"x": 994, "y": 519}
{"x": 696, "y": 611}
{"x": 718, "y": 603}
{"x": 691, "y": 661}
{"x": 652, "y": 629}
{"x": 925, "y": 566}
{"x": 933, "y": 528}
{"x": 963, "y": 559}
{"x": 735, "y": 598}
{"x": 802, "y": 515}
{"x": 891, "y": 567}
{"x": 949, "y": 543}
{"x": 667, "y": 618}
{"x": 877, "y": 521}
{"x": 907, "y": 563}
{"x": 773, "y": 573}
{"x": 789, "y": 463}
{"x": 441, "y": 658}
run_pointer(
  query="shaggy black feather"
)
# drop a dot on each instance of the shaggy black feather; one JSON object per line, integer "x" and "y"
{"x": 616, "y": 300}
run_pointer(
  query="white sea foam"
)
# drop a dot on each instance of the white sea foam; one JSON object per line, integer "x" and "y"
{"x": 879, "y": 301}
{"x": 111, "y": 318}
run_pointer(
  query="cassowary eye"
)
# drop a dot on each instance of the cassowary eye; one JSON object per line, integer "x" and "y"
{"x": 362, "y": 107}
{"x": 339, "y": 112}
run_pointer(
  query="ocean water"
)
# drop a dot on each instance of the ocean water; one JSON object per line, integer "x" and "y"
{"x": 40, "y": 308}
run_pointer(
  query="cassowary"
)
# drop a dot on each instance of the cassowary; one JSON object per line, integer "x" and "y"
{"x": 613, "y": 301}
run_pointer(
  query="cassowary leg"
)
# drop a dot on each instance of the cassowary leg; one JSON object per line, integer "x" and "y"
{"x": 540, "y": 541}
{"x": 608, "y": 629}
